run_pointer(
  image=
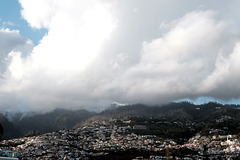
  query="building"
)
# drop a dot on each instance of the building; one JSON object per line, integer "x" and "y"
{"x": 8, "y": 155}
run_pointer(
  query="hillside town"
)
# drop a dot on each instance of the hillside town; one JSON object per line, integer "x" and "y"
{"x": 101, "y": 138}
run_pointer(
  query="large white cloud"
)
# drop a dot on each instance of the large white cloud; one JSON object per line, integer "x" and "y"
{"x": 197, "y": 56}
{"x": 77, "y": 30}
{"x": 73, "y": 66}
{"x": 223, "y": 81}
{"x": 11, "y": 40}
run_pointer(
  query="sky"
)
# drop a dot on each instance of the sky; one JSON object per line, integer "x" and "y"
{"x": 88, "y": 54}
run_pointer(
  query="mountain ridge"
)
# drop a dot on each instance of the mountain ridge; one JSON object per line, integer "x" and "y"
{"x": 66, "y": 119}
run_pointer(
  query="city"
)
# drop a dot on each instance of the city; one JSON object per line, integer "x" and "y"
{"x": 101, "y": 138}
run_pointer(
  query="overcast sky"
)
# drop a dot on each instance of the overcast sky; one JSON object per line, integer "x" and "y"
{"x": 91, "y": 53}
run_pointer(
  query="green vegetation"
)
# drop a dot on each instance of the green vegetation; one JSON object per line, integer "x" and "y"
{"x": 133, "y": 153}
{"x": 174, "y": 120}
{"x": 180, "y": 121}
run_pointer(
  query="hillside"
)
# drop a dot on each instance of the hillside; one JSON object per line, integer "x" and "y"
{"x": 178, "y": 121}
{"x": 10, "y": 130}
{"x": 175, "y": 111}
{"x": 183, "y": 112}
{"x": 35, "y": 124}
{"x": 107, "y": 137}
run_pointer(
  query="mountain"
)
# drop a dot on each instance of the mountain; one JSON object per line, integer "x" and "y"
{"x": 10, "y": 130}
{"x": 49, "y": 122}
{"x": 175, "y": 111}
{"x": 207, "y": 114}
{"x": 178, "y": 121}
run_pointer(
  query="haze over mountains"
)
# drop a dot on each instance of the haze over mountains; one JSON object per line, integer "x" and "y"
{"x": 66, "y": 119}
{"x": 42, "y": 123}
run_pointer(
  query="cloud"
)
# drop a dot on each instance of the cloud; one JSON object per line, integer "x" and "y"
{"x": 12, "y": 41}
{"x": 76, "y": 64}
{"x": 190, "y": 60}
{"x": 38, "y": 13}
{"x": 54, "y": 74}
{"x": 223, "y": 81}
{"x": 181, "y": 63}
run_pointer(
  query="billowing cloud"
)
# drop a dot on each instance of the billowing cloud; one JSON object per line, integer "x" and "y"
{"x": 223, "y": 81}
{"x": 82, "y": 63}
{"x": 11, "y": 40}
{"x": 193, "y": 58}
{"x": 76, "y": 33}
